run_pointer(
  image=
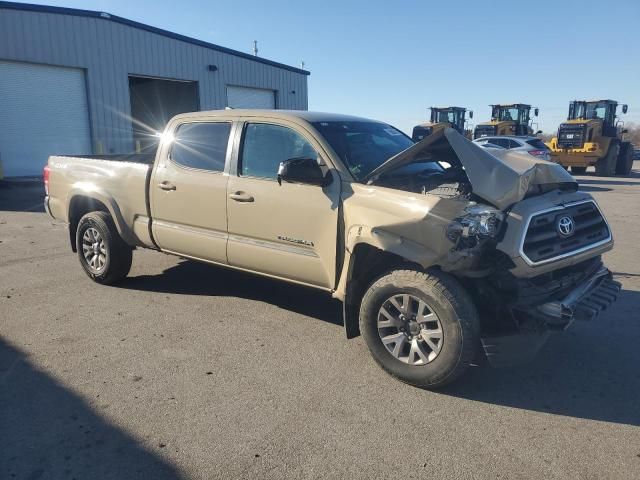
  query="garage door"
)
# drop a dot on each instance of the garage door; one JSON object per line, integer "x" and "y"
{"x": 243, "y": 97}
{"x": 43, "y": 111}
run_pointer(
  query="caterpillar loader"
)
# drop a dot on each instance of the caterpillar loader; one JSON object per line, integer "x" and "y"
{"x": 507, "y": 119}
{"x": 441, "y": 118}
{"x": 592, "y": 136}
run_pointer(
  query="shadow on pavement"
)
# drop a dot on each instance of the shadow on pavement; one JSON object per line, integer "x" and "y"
{"x": 604, "y": 181}
{"x": 586, "y": 188}
{"x": 25, "y": 195}
{"x": 194, "y": 278}
{"x": 47, "y": 431}
{"x": 589, "y": 371}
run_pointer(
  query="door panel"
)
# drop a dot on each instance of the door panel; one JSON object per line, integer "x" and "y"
{"x": 189, "y": 203}
{"x": 286, "y": 230}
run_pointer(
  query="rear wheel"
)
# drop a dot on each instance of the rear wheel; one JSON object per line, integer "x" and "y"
{"x": 104, "y": 256}
{"x": 606, "y": 166}
{"x": 578, "y": 170}
{"x": 625, "y": 159}
{"x": 421, "y": 327}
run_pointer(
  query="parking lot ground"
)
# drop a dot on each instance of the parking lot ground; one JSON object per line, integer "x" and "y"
{"x": 191, "y": 371}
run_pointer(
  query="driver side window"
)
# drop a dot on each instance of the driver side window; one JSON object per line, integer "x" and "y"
{"x": 265, "y": 146}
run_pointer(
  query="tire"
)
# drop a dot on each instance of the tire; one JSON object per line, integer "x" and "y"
{"x": 456, "y": 318}
{"x": 111, "y": 257}
{"x": 625, "y": 159}
{"x": 606, "y": 166}
{"x": 578, "y": 170}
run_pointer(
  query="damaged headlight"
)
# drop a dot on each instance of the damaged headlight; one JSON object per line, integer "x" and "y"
{"x": 478, "y": 222}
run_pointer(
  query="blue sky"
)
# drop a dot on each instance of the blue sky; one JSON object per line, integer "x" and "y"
{"x": 391, "y": 60}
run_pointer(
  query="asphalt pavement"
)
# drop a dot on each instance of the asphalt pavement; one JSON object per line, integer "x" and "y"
{"x": 191, "y": 371}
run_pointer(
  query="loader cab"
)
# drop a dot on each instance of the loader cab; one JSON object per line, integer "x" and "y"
{"x": 596, "y": 111}
{"x": 455, "y": 116}
{"x": 517, "y": 112}
{"x": 507, "y": 119}
{"x": 440, "y": 118}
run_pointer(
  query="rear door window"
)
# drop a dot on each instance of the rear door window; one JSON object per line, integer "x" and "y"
{"x": 513, "y": 143}
{"x": 201, "y": 145}
{"x": 537, "y": 143}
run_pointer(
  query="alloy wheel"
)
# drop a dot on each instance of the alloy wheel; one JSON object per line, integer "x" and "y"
{"x": 409, "y": 329}
{"x": 94, "y": 250}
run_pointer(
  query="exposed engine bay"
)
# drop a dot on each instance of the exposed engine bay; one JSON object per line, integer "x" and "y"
{"x": 498, "y": 182}
{"x": 429, "y": 177}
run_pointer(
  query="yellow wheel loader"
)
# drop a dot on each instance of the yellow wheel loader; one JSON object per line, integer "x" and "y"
{"x": 507, "y": 119}
{"x": 592, "y": 136}
{"x": 441, "y": 118}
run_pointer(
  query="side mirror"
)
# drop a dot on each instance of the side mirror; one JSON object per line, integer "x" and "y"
{"x": 536, "y": 111}
{"x": 470, "y": 113}
{"x": 625, "y": 108}
{"x": 624, "y": 131}
{"x": 538, "y": 132}
{"x": 303, "y": 170}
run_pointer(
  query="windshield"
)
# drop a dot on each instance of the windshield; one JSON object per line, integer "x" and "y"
{"x": 451, "y": 116}
{"x": 363, "y": 146}
{"x": 513, "y": 114}
{"x": 590, "y": 110}
{"x": 447, "y": 117}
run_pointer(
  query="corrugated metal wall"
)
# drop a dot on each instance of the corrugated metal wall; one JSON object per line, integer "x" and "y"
{"x": 110, "y": 52}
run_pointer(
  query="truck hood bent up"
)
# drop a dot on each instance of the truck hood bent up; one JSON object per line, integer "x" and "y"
{"x": 502, "y": 182}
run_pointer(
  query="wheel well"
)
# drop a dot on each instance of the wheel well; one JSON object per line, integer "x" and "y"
{"x": 78, "y": 208}
{"x": 366, "y": 264}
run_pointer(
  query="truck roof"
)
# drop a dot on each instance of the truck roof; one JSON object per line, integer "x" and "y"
{"x": 284, "y": 114}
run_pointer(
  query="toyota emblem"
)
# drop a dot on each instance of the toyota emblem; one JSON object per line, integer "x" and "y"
{"x": 566, "y": 226}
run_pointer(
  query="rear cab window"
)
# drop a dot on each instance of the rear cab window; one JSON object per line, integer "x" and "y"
{"x": 201, "y": 145}
{"x": 501, "y": 142}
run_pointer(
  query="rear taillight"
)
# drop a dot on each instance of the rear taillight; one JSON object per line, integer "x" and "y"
{"x": 537, "y": 153}
{"x": 45, "y": 175}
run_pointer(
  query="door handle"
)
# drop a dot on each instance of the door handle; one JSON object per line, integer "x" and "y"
{"x": 167, "y": 186}
{"x": 241, "y": 197}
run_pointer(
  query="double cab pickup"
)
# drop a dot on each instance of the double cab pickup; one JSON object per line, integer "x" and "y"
{"x": 439, "y": 251}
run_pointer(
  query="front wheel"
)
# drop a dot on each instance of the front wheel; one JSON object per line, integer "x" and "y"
{"x": 606, "y": 166}
{"x": 624, "y": 164}
{"x": 104, "y": 256}
{"x": 421, "y": 327}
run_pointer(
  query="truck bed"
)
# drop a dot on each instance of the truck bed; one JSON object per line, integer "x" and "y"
{"x": 146, "y": 158}
{"x": 116, "y": 182}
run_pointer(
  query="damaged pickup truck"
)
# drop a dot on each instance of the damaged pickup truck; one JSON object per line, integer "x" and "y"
{"x": 438, "y": 250}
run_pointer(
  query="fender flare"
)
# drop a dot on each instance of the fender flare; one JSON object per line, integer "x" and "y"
{"x": 386, "y": 242}
{"x": 100, "y": 195}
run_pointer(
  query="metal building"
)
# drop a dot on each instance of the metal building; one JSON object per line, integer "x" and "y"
{"x": 80, "y": 82}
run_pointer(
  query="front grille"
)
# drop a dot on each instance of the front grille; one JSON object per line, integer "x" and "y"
{"x": 543, "y": 241}
{"x": 484, "y": 131}
{"x": 571, "y": 136}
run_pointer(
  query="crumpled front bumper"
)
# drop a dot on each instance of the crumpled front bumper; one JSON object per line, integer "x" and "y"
{"x": 584, "y": 302}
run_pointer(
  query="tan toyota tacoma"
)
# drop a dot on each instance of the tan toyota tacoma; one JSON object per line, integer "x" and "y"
{"x": 436, "y": 249}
